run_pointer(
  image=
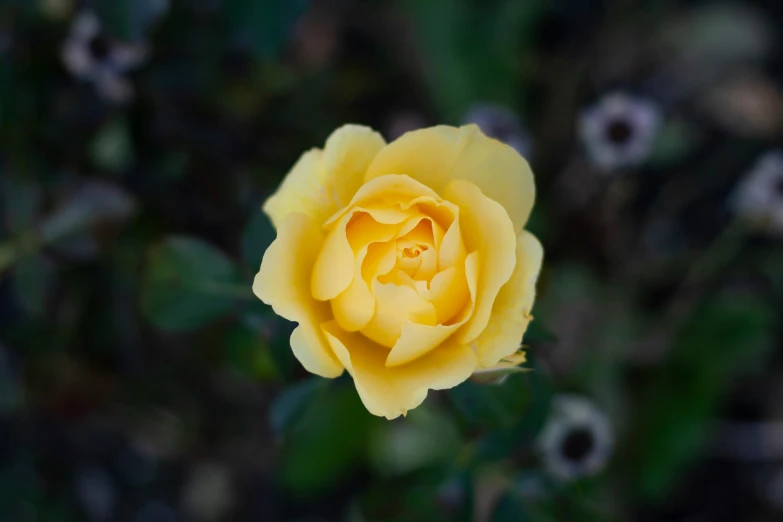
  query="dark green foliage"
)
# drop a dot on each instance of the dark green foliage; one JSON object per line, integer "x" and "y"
{"x": 189, "y": 283}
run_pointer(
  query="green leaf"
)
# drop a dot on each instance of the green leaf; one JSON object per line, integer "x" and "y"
{"x": 289, "y": 405}
{"x": 248, "y": 353}
{"x": 503, "y": 405}
{"x": 328, "y": 442}
{"x": 188, "y": 284}
{"x": 471, "y": 49}
{"x": 502, "y": 441}
{"x": 256, "y": 238}
{"x": 21, "y": 202}
{"x": 675, "y": 140}
{"x": 725, "y": 337}
{"x": 129, "y": 20}
{"x": 277, "y": 333}
{"x": 32, "y": 281}
{"x": 511, "y": 508}
{"x": 538, "y": 333}
{"x": 424, "y": 438}
{"x": 265, "y": 26}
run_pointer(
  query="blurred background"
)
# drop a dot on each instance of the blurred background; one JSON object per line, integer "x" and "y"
{"x": 141, "y": 380}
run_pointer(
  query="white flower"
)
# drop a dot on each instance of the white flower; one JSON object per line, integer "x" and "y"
{"x": 577, "y": 439}
{"x": 92, "y": 55}
{"x": 502, "y": 124}
{"x": 619, "y": 130}
{"x": 758, "y": 197}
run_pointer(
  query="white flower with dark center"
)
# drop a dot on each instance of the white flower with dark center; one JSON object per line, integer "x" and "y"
{"x": 502, "y": 124}
{"x": 92, "y": 55}
{"x": 577, "y": 439}
{"x": 758, "y": 198}
{"x": 619, "y": 130}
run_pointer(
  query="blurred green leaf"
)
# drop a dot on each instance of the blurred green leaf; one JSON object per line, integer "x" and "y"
{"x": 538, "y": 333}
{"x": 189, "y": 283}
{"x": 289, "y": 404}
{"x": 471, "y": 49}
{"x": 502, "y": 441}
{"x": 511, "y": 508}
{"x": 248, "y": 353}
{"x": 726, "y": 336}
{"x": 277, "y": 333}
{"x": 329, "y": 440}
{"x": 675, "y": 140}
{"x": 256, "y": 238}
{"x": 91, "y": 202}
{"x": 264, "y": 26}
{"x": 771, "y": 265}
{"x": 130, "y": 20}
{"x": 21, "y": 200}
{"x": 425, "y": 437}
{"x": 503, "y": 405}
{"x": 112, "y": 147}
{"x": 32, "y": 281}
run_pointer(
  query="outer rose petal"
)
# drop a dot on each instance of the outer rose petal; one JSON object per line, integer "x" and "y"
{"x": 437, "y": 155}
{"x": 284, "y": 283}
{"x": 486, "y": 229}
{"x": 391, "y": 392}
{"x": 333, "y": 269}
{"x": 511, "y": 312}
{"x": 322, "y": 182}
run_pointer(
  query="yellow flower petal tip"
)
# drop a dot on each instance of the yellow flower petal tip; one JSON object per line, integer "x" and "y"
{"x": 405, "y": 264}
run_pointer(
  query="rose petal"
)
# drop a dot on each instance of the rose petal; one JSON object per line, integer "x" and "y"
{"x": 417, "y": 340}
{"x": 322, "y": 182}
{"x": 391, "y": 192}
{"x": 452, "y": 248}
{"x": 487, "y": 230}
{"x": 438, "y": 155}
{"x": 396, "y": 305}
{"x": 391, "y": 392}
{"x": 354, "y": 307}
{"x": 511, "y": 311}
{"x": 334, "y": 267}
{"x": 282, "y": 282}
{"x": 449, "y": 293}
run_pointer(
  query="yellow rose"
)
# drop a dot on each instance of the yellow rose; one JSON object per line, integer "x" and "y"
{"x": 406, "y": 264}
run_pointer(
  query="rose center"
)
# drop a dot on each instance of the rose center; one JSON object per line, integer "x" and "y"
{"x": 99, "y": 47}
{"x": 619, "y": 131}
{"x": 578, "y": 444}
{"x": 413, "y": 251}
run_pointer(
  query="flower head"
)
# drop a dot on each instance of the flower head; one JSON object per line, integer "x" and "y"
{"x": 758, "y": 198}
{"x": 577, "y": 439}
{"x": 92, "y": 55}
{"x": 619, "y": 130}
{"x": 405, "y": 264}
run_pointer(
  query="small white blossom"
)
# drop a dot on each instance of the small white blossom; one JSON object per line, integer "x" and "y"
{"x": 502, "y": 124}
{"x": 758, "y": 197}
{"x": 619, "y": 130}
{"x": 577, "y": 439}
{"x": 93, "y": 56}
